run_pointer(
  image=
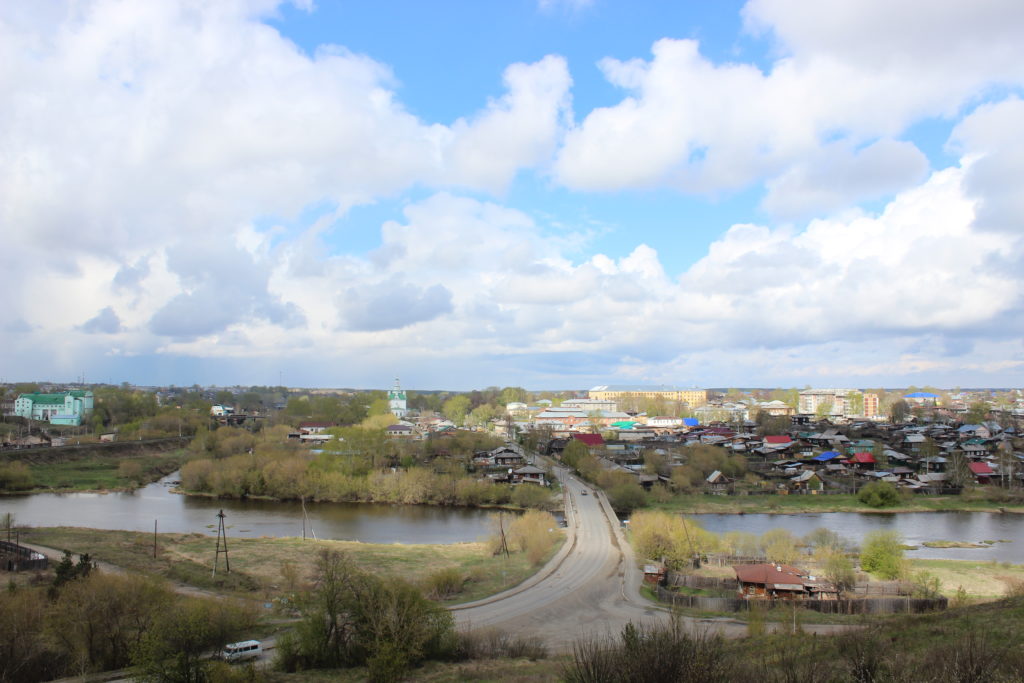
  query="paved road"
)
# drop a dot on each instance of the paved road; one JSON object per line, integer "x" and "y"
{"x": 591, "y": 588}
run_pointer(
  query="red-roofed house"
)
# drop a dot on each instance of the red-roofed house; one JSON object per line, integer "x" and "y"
{"x": 981, "y": 471}
{"x": 591, "y": 440}
{"x": 778, "y": 440}
{"x": 780, "y": 581}
{"x": 863, "y": 461}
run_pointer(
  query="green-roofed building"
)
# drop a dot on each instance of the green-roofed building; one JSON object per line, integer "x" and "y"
{"x": 65, "y": 408}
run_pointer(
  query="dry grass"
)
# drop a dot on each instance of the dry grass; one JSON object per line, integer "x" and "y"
{"x": 980, "y": 580}
{"x": 270, "y": 567}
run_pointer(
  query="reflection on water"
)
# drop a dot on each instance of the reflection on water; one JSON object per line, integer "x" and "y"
{"x": 136, "y": 511}
{"x": 915, "y": 527}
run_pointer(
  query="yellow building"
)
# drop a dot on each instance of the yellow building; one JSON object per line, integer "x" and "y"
{"x": 692, "y": 397}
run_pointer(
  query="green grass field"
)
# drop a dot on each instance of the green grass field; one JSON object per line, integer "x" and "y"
{"x": 100, "y": 472}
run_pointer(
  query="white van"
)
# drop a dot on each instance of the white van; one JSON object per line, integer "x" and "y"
{"x": 247, "y": 649}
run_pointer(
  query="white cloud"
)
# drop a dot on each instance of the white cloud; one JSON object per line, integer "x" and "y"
{"x": 153, "y": 142}
{"x": 836, "y": 176}
{"x": 995, "y": 133}
{"x": 135, "y": 134}
{"x": 848, "y": 71}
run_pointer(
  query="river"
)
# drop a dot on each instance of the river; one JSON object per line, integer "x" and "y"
{"x": 915, "y": 528}
{"x": 175, "y": 513}
{"x": 375, "y": 523}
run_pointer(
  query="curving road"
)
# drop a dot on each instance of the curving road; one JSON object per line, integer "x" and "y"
{"x": 590, "y": 588}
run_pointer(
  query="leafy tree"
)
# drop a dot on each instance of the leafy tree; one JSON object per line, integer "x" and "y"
{"x": 881, "y": 459}
{"x": 823, "y": 539}
{"x": 626, "y": 497}
{"x": 957, "y": 472}
{"x": 839, "y": 570}
{"x": 898, "y": 411}
{"x": 379, "y": 406}
{"x": 882, "y": 554}
{"x": 483, "y": 414}
{"x": 977, "y": 412}
{"x": 351, "y": 618}
{"x": 779, "y": 545}
{"x": 173, "y": 649}
{"x": 512, "y": 395}
{"x": 456, "y": 408}
{"x": 224, "y": 397}
{"x": 768, "y": 425}
{"x": 574, "y": 451}
{"x": 855, "y": 402}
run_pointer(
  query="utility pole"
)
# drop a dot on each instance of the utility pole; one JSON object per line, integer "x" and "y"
{"x": 221, "y": 534}
{"x": 154, "y": 539}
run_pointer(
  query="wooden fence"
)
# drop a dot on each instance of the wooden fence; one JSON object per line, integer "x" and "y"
{"x": 18, "y": 558}
{"x": 891, "y": 605}
{"x": 865, "y": 588}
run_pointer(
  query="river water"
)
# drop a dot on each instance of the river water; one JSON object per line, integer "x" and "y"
{"x": 374, "y": 523}
{"x": 915, "y": 528}
{"x": 137, "y": 510}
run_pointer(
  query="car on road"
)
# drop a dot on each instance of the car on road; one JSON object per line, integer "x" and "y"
{"x": 583, "y": 492}
{"x": 238, "y": 652}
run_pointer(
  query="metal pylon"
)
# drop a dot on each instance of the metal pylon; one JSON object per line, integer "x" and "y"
{"x": 221, "y": 534}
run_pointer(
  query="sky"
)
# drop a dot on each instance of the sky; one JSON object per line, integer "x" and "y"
{"x": 544, "y": 193}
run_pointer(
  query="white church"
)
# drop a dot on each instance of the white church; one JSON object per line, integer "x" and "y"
{"x": 396, "y": 401}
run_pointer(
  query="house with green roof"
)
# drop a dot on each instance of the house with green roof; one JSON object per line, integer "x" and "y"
{"x": 65, "y": 408}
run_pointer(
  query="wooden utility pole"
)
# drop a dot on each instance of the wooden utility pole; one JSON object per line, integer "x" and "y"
{"x": 154, "y": 539}
{"x": 221, "y": 534}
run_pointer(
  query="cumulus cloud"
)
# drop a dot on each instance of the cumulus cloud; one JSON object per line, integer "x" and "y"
{"x": 392, "y": 304}
{"x": 145, "y": 139}
{"x": 105, "y": 322}
{"x": 836, "y": 176}
{"x": 847, "y": 71}
{"x": 181, "y": 139}
{"x": 995, "y": 134}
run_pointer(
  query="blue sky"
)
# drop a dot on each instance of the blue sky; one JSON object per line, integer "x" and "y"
{"x": 552, "y": 193}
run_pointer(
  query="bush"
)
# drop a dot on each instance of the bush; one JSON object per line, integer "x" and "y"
{"x": 495, "y": 644}
{"x": 665, "y": 652}
{"x": 882, "y": 554}
{"x": 532, "y": 533}
{"x": 626, "y": 497}
{"x": 879, "y": 494}
{"x": 15, "y": 476}
{"x": 443, "y": 584}
{"x": 531, "y": 496}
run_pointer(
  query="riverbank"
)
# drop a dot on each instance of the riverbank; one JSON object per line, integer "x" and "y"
{"x": 97, "y": 471}
{"x": 271, "y": 568}
{"x": 798, "y": 504}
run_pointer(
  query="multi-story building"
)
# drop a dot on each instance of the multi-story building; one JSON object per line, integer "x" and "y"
{"x": 589, "y": 404}
{"x": 66, "y": 408}
{"x": 871, "y": 405}
{"x": 692, "y": 397}
{"x": 836, "y": 402}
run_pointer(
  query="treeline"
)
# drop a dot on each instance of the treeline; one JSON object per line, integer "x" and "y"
{"x": 292, "y": 477}
{"x": 363, "y": 466}
{"x": 87, "y": 621}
